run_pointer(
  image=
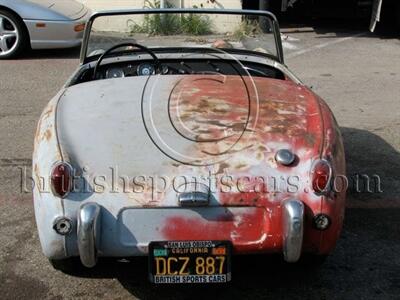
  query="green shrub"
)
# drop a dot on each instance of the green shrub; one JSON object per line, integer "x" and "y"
{"x": 196, "y": 24}
{"x": 171, "y": 24}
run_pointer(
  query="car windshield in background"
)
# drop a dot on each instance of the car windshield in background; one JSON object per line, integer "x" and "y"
{"x": 228, "y": 30}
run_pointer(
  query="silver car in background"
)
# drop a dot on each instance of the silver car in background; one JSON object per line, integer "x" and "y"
{"x": 40, "y": 24}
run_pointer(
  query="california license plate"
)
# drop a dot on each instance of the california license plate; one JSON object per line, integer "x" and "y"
{"x": 186, "y": 262}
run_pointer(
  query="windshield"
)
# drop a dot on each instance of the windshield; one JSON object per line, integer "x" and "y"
{"x": 250, "y": 31}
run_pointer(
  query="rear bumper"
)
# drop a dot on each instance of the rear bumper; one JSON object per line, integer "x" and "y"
{"x": 246, "y": 227}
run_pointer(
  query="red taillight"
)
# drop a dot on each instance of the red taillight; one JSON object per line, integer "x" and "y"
{"x": 321, "y": 175}
{"x": 61, "y": 179}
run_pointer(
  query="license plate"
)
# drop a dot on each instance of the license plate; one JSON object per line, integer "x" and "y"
{"x": 187, "y": 262}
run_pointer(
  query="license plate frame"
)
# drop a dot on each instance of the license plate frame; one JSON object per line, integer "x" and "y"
{"x": 189, "y": 262}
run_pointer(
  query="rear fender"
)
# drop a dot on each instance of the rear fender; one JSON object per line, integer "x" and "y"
{"x": 47, "y": 206}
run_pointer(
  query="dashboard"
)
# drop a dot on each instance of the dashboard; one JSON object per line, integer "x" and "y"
{"x": 177, "y": 67}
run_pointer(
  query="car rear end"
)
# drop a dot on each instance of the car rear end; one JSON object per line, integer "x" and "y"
{"x": 188, "y": 169}
{"x": 114, "y": 194}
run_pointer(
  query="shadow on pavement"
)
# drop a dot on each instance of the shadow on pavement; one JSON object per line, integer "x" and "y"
{"x": 341, "y": 17}
{"x": 369, "y": 154}
{"x": 337, "y": 28}
{"x": 71, "y": 53}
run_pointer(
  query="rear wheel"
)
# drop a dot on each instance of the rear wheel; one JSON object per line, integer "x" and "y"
{"x": 13, "y": 35}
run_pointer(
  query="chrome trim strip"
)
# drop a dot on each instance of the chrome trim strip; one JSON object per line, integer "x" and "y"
{"x": 293, "y": 227}
{"x": 194, "y": 199}
{"x": 194, "y": 194}
{"x": 88, "y": 233}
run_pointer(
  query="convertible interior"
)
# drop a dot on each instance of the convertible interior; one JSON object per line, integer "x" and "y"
{"x": 213, "y": 64}
{"x": 176, "y": 67}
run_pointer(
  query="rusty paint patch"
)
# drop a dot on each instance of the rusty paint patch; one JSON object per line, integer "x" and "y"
{"x": 47, "y": 134}
{"x": 37, "y": 177}
{"x": 48, "y": 112}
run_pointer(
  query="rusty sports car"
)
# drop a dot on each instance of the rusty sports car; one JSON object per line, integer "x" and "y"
{"x": 183, "y": 137}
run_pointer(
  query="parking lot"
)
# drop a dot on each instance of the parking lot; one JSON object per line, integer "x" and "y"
{"x": 356, "y": 72}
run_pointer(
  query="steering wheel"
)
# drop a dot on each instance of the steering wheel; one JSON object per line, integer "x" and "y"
{"x": 108, "y": 51}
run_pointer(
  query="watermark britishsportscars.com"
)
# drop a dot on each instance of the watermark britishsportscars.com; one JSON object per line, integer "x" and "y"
{"x": 113, "y": 182}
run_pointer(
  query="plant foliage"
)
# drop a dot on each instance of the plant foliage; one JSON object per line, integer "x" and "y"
{"x": 171, "y": 24}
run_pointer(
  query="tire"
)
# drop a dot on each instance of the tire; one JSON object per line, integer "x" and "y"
{"x": 70, "y": 266}
{"x": 14, "y": 37}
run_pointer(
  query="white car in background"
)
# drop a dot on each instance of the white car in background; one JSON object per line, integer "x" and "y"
{"x": 40, "y": 24}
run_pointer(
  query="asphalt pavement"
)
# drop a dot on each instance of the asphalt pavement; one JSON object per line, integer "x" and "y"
{"x": 356, "y": 72}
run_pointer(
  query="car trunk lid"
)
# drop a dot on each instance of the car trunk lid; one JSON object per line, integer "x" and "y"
{"x": 203, "y": 127}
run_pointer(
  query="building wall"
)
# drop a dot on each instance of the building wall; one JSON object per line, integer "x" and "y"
{"x": 121, "y": 4}
{"x": 119, "y": 23}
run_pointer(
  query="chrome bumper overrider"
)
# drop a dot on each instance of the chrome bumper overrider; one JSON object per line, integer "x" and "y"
{"x": 89, "y": 233}
{"x": 293, "y": 227}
